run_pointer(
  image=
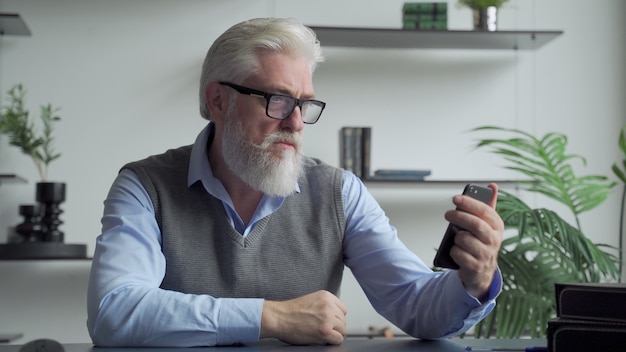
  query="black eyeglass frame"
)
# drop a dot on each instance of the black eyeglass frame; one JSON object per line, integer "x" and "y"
{"x": 268, "y": 96}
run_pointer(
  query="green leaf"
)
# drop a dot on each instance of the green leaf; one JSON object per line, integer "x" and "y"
{"x": 22, "y": 132}
{"x": 543, "y": 248}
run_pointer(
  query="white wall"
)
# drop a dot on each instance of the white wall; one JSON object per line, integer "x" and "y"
{"x": 125, "y": 75}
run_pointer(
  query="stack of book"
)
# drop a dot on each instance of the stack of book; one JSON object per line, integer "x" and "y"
{"x": 355, "y": 145}
{"x": 399, "y": 175}
{"x": 590, "y": 317}
{"x": 354, "y": 150}
{"x": 425, "y": 15}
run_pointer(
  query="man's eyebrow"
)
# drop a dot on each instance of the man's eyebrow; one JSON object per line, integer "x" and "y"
{"x": 286, "y": 91}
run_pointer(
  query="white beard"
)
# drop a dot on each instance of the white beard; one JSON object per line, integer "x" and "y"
{"x": 255, "y": 164}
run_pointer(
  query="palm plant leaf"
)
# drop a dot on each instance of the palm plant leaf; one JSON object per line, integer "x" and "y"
{"x": 532, "y": 262}
{"x": 527, "y": 282}
{"x": 621, "y": 173}
{"x": 22, "y": 132}
{"x": 547, "y": 166}
{"x": 544, "y": 249}
{"x": 618, "y": 172}
{"x": 544, "y": 226}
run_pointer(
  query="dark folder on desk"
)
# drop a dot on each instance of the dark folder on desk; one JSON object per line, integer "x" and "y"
{"x": 572, "y": 335}
{"x": 595, "y": 301}
{"x": 590, "y": 317}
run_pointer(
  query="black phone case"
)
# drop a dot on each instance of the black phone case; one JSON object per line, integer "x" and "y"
{"x": 442, "y": 258}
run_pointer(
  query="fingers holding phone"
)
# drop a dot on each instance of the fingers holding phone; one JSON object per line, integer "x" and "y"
{"x": 465, "y": 216}
{"x": 472, "y": 241}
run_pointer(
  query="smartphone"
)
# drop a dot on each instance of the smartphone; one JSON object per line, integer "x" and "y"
{"x": 442, "y": 258}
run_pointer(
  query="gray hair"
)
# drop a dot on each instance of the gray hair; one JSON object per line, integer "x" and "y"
{"x": 233, "y": 55}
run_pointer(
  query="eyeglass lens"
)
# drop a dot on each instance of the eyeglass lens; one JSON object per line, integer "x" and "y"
{"x": 281, "y": 106}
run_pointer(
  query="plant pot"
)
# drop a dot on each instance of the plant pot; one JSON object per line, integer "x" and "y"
{"x": 30, "y": 229}
{"x": 50, "y": 195}
{"x": 486, "y": 19}
{"x": 41, "y": 238}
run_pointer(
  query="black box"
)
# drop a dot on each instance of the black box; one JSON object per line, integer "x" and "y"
{"x": 591, "y": 301}
{"x": 572, "y": 335}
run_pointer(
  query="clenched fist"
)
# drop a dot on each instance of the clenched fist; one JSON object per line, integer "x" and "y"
{"x": 317, "y": 318}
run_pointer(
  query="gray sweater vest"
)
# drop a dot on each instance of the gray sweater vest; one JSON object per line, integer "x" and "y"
{"x": 292, "y": 252}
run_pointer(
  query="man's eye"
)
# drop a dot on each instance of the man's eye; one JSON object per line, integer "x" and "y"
{"x": 280, "y": 99}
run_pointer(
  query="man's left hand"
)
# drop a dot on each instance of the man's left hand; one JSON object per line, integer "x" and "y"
{"x": 476, "y": 249}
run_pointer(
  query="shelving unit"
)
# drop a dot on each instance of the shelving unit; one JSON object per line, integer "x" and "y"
{"x": 440, "y": 182}
{"x": 13, "y": 24}
{"x": 43, "y": 251}
{"x": 437, "y": 184}
{"x": 11, "y": 178}
{"x": 39, "y": 250}
{"x": 8, "y": 337}
{"x": 390, "y": 38}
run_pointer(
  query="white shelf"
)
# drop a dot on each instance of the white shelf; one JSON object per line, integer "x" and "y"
{"x": 390, "y": 38}
{"x": 435, "y": 184}
{"x": 13, "y": 24}
{"x": 11, "y": 178}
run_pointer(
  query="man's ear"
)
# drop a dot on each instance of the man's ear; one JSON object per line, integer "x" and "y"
{"x": 216, "y": 100}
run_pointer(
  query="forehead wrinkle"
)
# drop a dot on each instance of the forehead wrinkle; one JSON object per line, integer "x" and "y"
{"x": 276, "y": 64}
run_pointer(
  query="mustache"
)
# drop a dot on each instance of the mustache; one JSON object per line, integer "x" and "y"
{"x": 283, "y": 137}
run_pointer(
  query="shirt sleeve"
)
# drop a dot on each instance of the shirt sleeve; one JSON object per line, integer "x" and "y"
{"x": 423, "y": 303}
{"x": 126, "y": 307}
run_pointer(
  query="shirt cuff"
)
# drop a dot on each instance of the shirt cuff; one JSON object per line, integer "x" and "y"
{"x": 239, "y": 321}
{"x": 480, "y": 309}
{"x": 495, "y": 288}
{"x": 470, "y": 309}
{"x": 492, "y": 294}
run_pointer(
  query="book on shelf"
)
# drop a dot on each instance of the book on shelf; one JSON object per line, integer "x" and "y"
{"x": 423, "y": 7}
{"x": 419, "y": 17}
{"x": 346, "y": 148}
{"x": 425, "y": 25}
{"x": 402, "y": 172}
{"x": 358, "y": 155}
{"x": 354, "y": 150}
{"x": 425, "y": 15}
{"x": 399, "y": 175}
{"x": 366, "y": 150}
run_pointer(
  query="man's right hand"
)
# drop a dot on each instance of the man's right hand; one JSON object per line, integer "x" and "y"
{"x": 317, "y": 318}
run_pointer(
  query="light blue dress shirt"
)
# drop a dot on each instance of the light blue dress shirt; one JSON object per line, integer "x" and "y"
{"x": 127, "y": 307}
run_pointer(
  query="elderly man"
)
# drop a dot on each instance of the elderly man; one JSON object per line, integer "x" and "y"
{"x": 239, "y": 236}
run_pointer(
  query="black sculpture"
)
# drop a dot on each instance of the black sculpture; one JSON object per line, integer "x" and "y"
{"x": 39, "y": 236}
{"x": 50, "y": 195}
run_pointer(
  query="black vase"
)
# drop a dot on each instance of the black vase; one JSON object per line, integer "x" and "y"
{"x": 30, "y": 229}
{"x": 50, "y": 195}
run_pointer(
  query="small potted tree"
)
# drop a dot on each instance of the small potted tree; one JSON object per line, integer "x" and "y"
{"x": 15, "y": 122}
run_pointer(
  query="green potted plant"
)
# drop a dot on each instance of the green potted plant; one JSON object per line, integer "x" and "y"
{"x": 481, "y": 4}
{"x": 485, "y": 13}
{"x": 16, "y": 123}
{"x": 620, "y": 172}
{"x": 541, "y": 248}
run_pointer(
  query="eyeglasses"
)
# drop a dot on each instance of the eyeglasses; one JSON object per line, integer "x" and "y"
{"x": 280, "y": 106}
